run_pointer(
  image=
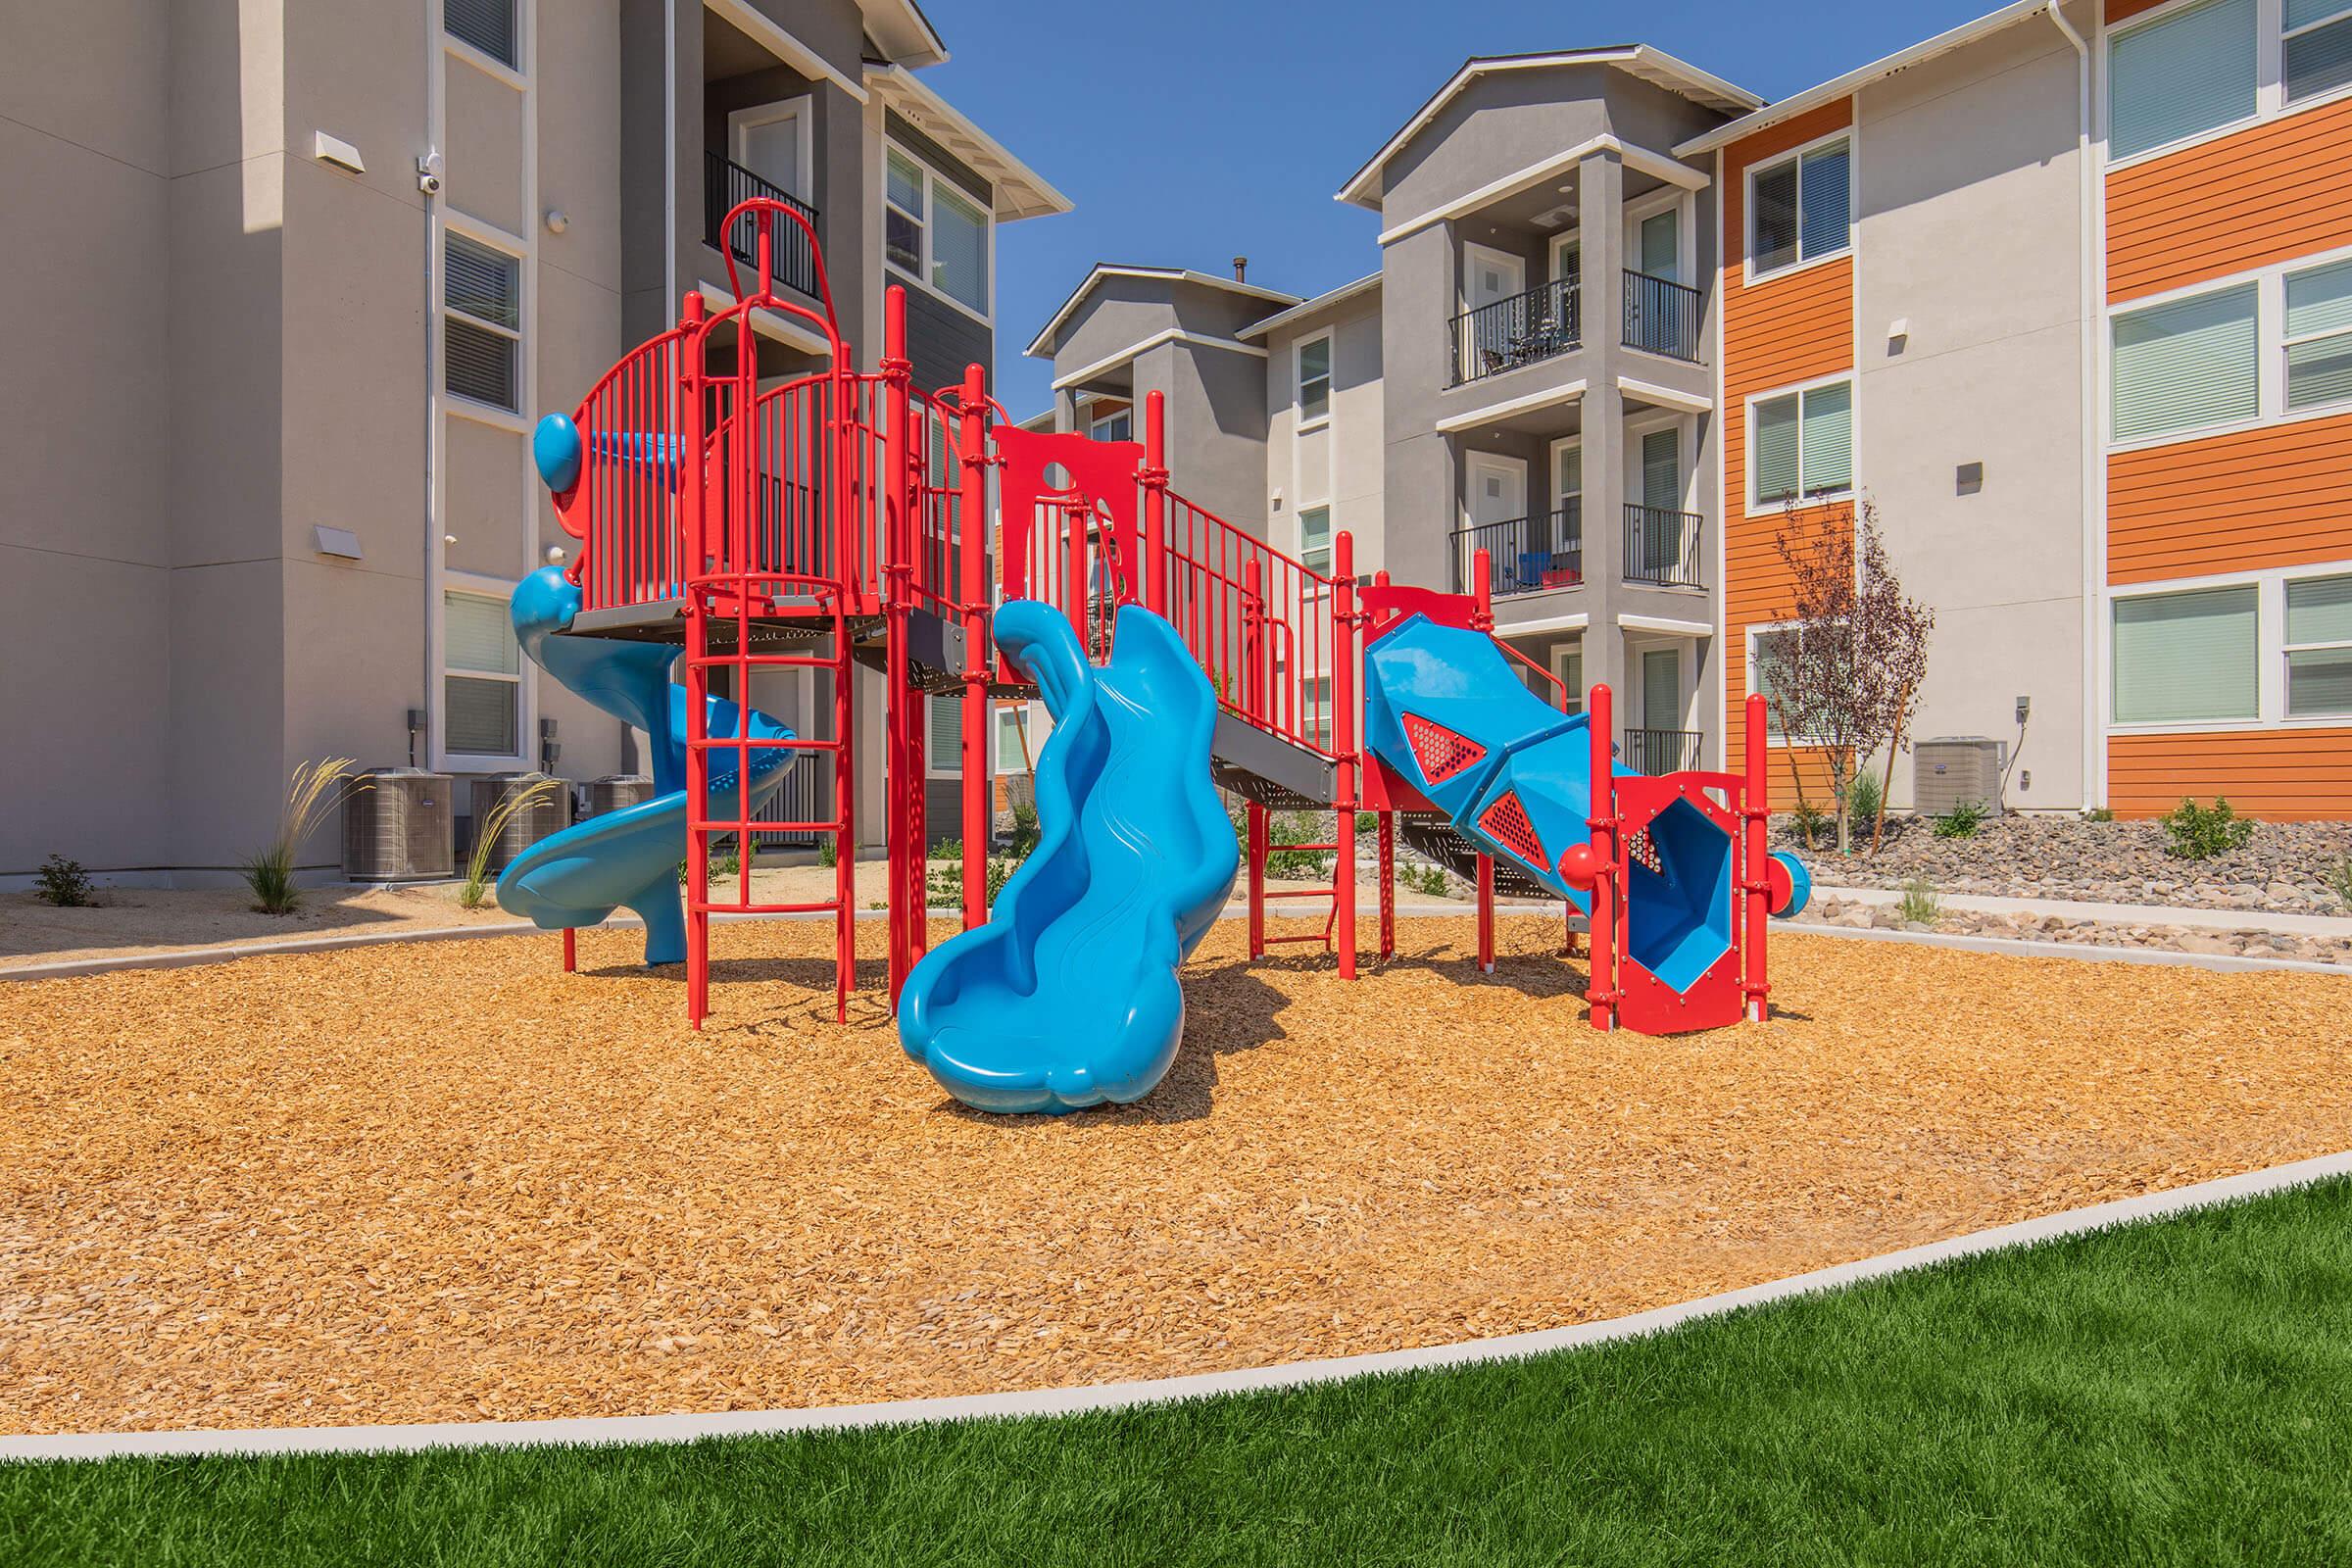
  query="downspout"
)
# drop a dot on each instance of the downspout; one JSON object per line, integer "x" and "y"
{"x": 2094, "y": 521}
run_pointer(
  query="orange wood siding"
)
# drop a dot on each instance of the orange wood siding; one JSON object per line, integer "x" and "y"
{"x": 2269, "y": 193}
{"x": 2280, "y": 496}
{"x": 2282, "y": 775}
{"x": 2125, "y": 10}
{"x": 1795, "y": 327}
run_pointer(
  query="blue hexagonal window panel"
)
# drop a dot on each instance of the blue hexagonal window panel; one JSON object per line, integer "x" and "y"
{"x": 1678, "y": 896}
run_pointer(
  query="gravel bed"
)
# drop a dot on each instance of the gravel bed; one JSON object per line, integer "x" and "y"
{"x": 1830, "y": 909}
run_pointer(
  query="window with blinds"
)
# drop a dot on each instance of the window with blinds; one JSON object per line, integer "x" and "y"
{"x": 481, "y": 291}
{"x": 2191, "y": 363}
{"x": 1802, "y": 209}
{"x": 1804, "y": 443}
{"x": 2184, "y": 74}
{"x": 944, "y": 737}
{"x": 487, "y": 25}
{"x": 2186, "y": 656}
{"x": 2317, "y": 56}
{"x": 1315, "y": 538}
{"x": 2318, "y": 336}
{"x": 481, "y": 684}
{"x": 1314, "y": 379}
{"x": 2319, "y": 647}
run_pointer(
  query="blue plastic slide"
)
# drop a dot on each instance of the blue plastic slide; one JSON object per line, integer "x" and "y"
{"x": 626, "y": 859}
{"x": 1068, "y": 997}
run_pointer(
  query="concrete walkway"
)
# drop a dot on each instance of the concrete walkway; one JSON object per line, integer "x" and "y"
{"x": 2297, "y": 925}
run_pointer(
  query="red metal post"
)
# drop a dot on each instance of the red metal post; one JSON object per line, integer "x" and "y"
{"x": 1253, "y": 683}
{"x": 1154, "y": 562}
{"x": 1486, "y": 913}
{"x": 1343, "y": 722}
{"x": 1482, "y": 591}
{"x": 1388, "y": 885}
{"x": 1755, "y": 816}
{"x": 692, "y": 481}
{"x": 846, "y": 526}
{"x": 572, "y": 949}
{"x": 1255, "y": 815}
{"x": 1608, "y": 868}
{"x": 903, "y": 769}
{"x": 972, "y": 513}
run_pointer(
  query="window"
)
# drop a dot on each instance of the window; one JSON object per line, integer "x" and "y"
{"x": 481, "y": 290}
{"x": 903, "y": 222}
{"x": 2318, "y": 48}
{"x": 2182, "y": 75}
{"x": 1764, "y": 647}
{"x": 486, "y": 24}
{"x": 2319, "y": 647}
{"x": 1804, "y": 443}
{"x": 2318, "y": 336}
{"x": 1318, "y": 710}
{"x": 933, "y": 231}
{"x": 942, "y": 751}
{"x": 2191, "y": 363}
{"x": 1568, "y": 663}
{"x": 1315, "y": 538}
{"x": 481, "y": 684}
{"x": 1021, "y": 731}
{"x": 2181, "y": 657}
{"x": 1119, "y": 425}
{"x": 1314, "y": 379}
{"x": 1801, "y": 208}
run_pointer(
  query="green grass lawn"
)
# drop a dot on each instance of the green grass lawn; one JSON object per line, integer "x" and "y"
{"x": 2172, "y": 1393}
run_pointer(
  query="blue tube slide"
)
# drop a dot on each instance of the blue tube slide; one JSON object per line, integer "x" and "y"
{"x": 626, "y": 859}
{"x": 1068, "y": 995}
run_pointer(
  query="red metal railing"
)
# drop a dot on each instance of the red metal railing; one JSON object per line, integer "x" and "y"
{"x": 623, "y": 509}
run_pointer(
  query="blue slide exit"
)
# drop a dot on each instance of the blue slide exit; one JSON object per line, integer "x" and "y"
{"x": 1068, "y": 995}
{"x": 626, "y": 859}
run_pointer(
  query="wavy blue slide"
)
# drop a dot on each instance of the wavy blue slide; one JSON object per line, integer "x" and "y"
{"x": 1068, "y": 997}
{"x": 626, "y": 859}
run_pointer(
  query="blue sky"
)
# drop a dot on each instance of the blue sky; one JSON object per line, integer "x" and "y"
{"x": 1189, "y": 131}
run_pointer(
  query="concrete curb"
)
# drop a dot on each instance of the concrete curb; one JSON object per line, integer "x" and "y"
{"x": 2185, "y": 916}
{"x": 2019, "y": 947}
{"x": 604, "y": 1430}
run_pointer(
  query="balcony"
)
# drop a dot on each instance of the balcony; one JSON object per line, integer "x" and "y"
{"x": 1662, "y": 316}
{"x": 1526, "y": 555}
{"x": 726, "y": 183}
{"x": 1523, "y": 330}
{"x": 1662, "y": 546}
{"x": 1661, "y": 751}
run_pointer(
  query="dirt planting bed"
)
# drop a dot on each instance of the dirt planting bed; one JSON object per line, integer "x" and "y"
{"x": 447, "y": 1182}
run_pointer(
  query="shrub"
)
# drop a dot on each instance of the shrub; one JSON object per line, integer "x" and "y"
{"x": 2339, "y": 882}
{"x": 1919, "y": 901}
{"x": 2097, "y": 813}
{"x": 2199, "y": 833}
{"x": 1810, "y": 820}
{"x": 475, "y": 889}
{"x": 828, "y": 851}
{"x": 1286, "y": 828}
{"x": 1862, "y": 798}
{"x": 63, "y": 882}
{"x": 1428, "y": 880}
{"x": 312, "y": 792}
{"x": 1024, "y": 831}
{"x": 1962, "y": 821}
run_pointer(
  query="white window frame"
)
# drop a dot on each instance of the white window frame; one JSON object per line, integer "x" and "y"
{"x": 952, "y": 766}
{"x": 1748, "y": 211}
{"x": 1096, "y": 425}
{"x": 1331, "y": 533}
{"x": 1684, "y": 453}
{"x": 2271, "y": 340}
{"x": 1032, "y": 720}
{"x": 1560, "y": 652}
{"x": 2270, "y": 653}
{"x": 1308, "y": 422}
{"x": 1562, "y": 241}
{"x": 482, "y": 60}
{"x": 1797, "y": 389}
{"x": 932, "y": 180}
{"x": 1641, "y": 210}
{"x": 741, "y": 122}
{"x": 2269, "y": 81}
{"x": 1473, "y": 463}
{"x": 1753, "y": 633}
{"x": 471, "y": 585}
{"x": 1554, "y": 496}
{"x": 516, "y": 249}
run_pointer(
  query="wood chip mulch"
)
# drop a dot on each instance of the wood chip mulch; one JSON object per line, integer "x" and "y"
{"x": 447, "y": 1181}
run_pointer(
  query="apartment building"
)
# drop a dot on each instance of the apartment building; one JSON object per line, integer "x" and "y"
{"x": 289, "y": 285}
{"x": 2065, "y": 293}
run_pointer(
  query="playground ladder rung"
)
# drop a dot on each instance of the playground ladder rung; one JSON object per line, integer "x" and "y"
{"x": 829, "y": 906}
{"x": 1300, "y": 893}
{"x": 1276, "y": 942}
{"x": 764, "y": 661}
{"x": 763, "y": 743}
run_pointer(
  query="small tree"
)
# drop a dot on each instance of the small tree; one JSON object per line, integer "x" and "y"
{"x": 1844, "y": 676}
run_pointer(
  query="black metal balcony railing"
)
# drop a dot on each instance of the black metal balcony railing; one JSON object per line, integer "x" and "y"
{"x": 1661, "y": 547}
{"x": 1526, "y": 555}
{"x": 1663, "y": 315}
{"x": 1660, "y": 751}
{"x": 724, "y": 185}
{"x": 1526, "y": 328}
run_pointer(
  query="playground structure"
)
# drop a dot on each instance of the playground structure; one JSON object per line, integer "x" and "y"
{"x": 844, "y": 518}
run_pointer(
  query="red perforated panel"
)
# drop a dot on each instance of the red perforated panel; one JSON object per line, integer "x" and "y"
{"x": 1506, "y": 823}
{"x": 1441, "y": 753}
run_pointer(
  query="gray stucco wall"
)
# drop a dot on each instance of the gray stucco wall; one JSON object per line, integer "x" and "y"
{"x": 1969, "y": 228}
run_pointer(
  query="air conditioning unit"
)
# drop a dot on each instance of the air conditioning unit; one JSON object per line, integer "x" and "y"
{"x": 397, "y": 827}
{"x": 616, "y": 792}
{"x": 548, "y": 815}
{"x": 1953, "y": 771}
